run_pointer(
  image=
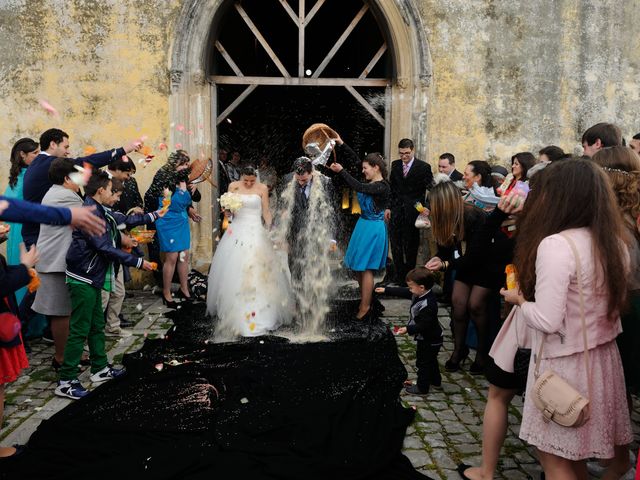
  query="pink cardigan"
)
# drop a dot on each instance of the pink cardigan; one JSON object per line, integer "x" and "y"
{"x": 556, "y": 309}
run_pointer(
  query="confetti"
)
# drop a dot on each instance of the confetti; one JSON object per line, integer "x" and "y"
{"x": 244, "y": 400}
{"x": 253, "y": 314}
{"x": 146, "y": 151}
{"x": 171, "y": 240}
{"x": 262, "y": 342}
{"x": 248, "y": 316}
{"x": 37, "y": 409}
{"x": 139, "y": 307}
{"x": 229, "y": 120}
{"x": 178, "y": 146}
{"x": 252, "y": 326}
{"x": 180, "y": 128}
{"x": 49, "y": 108}
{"x": 162, "y": 146}
{"x": 159, "y": 366}
{"x": 89, "y": 150}
{"x": 190, "y": 132}
{"x": 153, "y": 290}
{"x": 27, "y": 400}
{"x": 141, "y": 160}
{"x": 200, "y": 126}
{"x": 145, "y": 334}
{"x": 182, "y": 256}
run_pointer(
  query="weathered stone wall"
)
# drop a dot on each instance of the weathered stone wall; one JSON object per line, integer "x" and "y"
{"x": 518, "y": 75}
{"x": 103, "y": 64}
{"x": 506, "y": 76}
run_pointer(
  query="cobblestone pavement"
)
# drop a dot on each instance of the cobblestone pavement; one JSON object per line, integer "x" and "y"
{"x": 447, "y": 429}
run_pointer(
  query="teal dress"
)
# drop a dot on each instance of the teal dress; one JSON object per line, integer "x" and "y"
{"x": 369, "y": 243}
{"x": 173, "y": 231}
{"x": 15, "y": 234}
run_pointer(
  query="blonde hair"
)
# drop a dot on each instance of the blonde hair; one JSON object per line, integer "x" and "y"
{"x": 447, "y": 213}
{"x": 622, "y": 166}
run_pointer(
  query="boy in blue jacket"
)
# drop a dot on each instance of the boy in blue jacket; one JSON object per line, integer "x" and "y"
{"x": 424, "y": 325}
{"x": 92, "y": 261}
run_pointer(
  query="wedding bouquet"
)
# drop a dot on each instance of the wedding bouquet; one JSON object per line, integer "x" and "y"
{"x": 231, "y": 201}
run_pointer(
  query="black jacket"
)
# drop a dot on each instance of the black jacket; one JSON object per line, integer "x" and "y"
{"x": 455, "y": 176}
{"x": 89, "y": 256}
{"x": 423, "y": 315}
{"x": 406, "y": 191}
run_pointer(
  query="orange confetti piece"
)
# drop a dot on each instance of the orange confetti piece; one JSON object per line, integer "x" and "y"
{"x": 146, "y": 150}
{"x": 154, "y": 266}
{"x": 89, "y": 150}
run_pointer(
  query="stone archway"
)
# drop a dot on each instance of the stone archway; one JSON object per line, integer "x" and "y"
{"x": 192, "y": 94}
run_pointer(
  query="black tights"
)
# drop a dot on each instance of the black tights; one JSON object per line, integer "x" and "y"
{"x": 470, "y": 301}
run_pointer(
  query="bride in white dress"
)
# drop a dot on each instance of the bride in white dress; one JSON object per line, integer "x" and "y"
{"x": 249, "y": 286}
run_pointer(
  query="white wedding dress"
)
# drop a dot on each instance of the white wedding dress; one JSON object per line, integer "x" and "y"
{"x": 249, "y": 287}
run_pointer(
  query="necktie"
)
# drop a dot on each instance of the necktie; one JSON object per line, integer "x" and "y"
{"x": 405, "y": 169}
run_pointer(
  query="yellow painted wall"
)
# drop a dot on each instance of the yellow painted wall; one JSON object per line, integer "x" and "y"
{"x": 102, "y": 64}
{"x": 519, "y": 75}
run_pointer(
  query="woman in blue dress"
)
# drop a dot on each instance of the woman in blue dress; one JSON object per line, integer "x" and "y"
{"x": 369, "y": 244}
{"x": 22, "y": 154}
{"x": 174, "y": 237}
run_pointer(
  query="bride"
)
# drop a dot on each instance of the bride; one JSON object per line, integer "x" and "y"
{"x": 249, "y": 282}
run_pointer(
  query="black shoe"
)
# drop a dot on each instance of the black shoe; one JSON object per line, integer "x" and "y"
{"x": 169, "y": 304}
{"x": 414, "y": 390}
{"x": 452, "y": 366}
{"x": 55, "y": 364}
{"x": 461, "y": 469}
{"x": 180, "y": 294}
{"x": 365, "y": 318}
{"x": 377, "y": 306}
{"x": 126, "y": 323}
{"x": 476, "y": 369}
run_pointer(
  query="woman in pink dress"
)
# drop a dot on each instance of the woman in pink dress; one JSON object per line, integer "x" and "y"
{"x": 574, "y": 199}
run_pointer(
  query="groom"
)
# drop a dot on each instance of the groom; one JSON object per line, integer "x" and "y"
{"x": 302, "y": 175}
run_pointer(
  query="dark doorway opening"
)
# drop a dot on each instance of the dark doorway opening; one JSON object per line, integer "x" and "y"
{"x": 272, "y": 119}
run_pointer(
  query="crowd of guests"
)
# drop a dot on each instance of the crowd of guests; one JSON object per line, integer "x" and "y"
{"x": 76, "y": 278}
{"x": 568, "y": 227}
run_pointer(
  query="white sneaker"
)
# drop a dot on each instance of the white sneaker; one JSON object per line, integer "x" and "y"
{"x": 118, "y": 332}
{"x": 107, "y": 373}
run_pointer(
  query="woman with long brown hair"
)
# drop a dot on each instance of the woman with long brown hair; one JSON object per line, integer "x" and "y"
{"x": 622, "y": 166}
{"x": 473, "y": 251}
{"x": 573, "y": 203}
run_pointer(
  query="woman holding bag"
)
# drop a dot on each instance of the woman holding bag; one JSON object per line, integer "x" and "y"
{"x": 559, "y": 291}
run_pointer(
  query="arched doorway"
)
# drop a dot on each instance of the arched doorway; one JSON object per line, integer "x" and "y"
{"x": 202, "y": 67}
{"x": 267, "y": 91}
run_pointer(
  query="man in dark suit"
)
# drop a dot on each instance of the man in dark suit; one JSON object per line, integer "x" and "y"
{"x": 447, "y": 165}
{"x": 410, "y": 178}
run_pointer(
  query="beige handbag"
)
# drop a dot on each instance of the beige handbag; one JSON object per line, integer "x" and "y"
{"x": 552, "y": 395}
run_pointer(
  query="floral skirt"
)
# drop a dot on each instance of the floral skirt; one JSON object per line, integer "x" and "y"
{"x": 609, "y": 423}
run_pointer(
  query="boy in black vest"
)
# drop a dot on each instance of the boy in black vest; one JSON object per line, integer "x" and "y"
{"x": 424, "y": 325}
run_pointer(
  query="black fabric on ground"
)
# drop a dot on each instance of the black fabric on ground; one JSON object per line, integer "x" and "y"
{"x": 261, "y": 408}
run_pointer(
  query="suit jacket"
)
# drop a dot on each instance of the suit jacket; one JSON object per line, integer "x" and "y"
{"x": 54, "y": 240}
{"x": 406, "y": 191}
{"x": 455, "y": 176}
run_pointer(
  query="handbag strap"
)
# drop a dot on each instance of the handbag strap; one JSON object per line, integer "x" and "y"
{"x": 582, "y": 317}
